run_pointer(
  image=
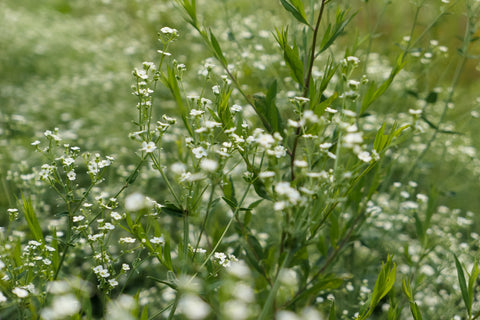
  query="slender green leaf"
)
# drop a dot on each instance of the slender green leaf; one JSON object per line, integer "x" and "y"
{"x": 167, "y": 258}
{"x": 331, "y": 313}
{"x": 463, "y": 285}
{"x": 144, "y": 315}
{"x": 291, "y": 56}
{"x": 32, "y": 220}
{"x": 295, "y": 7}
{"x": 217, "y": 50}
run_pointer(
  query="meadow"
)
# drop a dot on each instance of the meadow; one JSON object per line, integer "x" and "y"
{"x": 210, "y": 159}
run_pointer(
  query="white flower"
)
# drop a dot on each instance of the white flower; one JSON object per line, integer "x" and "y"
{"x": 164, "y": 53}
{"x": 78, "y": 218}
{"x": 364, "y": 156}
{"x": 193, "y": 307}
{"x": 2, "y": 297}
{"x": 209, "y": 165}
{"x": 284, "y": 188}
{"x": 266, "y": 174}
{"x": 325, "y": 145}
{"x": 127, "y": 240}
{"x": 157, "y": 240}
{"x": 196, "y": 113}
{"x": 278, "y": 152}
{"x": 167, "y": 30}
{"x": 71, "y": 175}
{"x": 352, "y": 138}
{"x": 300, "y": 163}
{"x": 216, "y": 89}
{"x": 116, "y": 215}
{"x": 68, "y": 161}
{"x": 125, "y": 267}
{"x": 236, "y": 108}
{"x": 148, "y": 147}
{"x": 104, "y": 273}
{"x": 113, "y": 282}
{"x": 199, "y": 152}
{"x": 20, "y": 292}
{"x": 265, "y": 140}
{"x": 135, "y": 202}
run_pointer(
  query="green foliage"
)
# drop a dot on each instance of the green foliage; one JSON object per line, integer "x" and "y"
{"x": 303, "y": 159}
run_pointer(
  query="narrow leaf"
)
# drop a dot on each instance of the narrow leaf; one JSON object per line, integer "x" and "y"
{"x": 217, "y": 50}
{"x": 32, "y": 220}
{"x": 296, "y": 9}
{"x": 463, "y": 285}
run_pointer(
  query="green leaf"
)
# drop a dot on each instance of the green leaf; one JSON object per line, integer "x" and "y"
{"x": 331, "y": 313}
{"x": 260, "y": 188}
{"x": 415, "y": 310}
{"x": 217, "y": 50}
{"x": 266, "y": 107}
{"x": 295, "y": 7}
{"x": 331, "y": 34}
{"x": 167, "y": 259}
{"x": 291, "y": 56}
{"x": 432, "y": 97}
{"x": 319, "y": 109}
{"x": 384, "y": 283}
{"x": 144, "y": 315}
{"x": 374, "y": 93}
{"x": 171, "y": 83}
{"x": 32, "y": 220}
{"x": 328, "y": 282}
{"x": 173, "y": 210}
{"x": 463, "y": 285}
{"x": 471, "y": 282}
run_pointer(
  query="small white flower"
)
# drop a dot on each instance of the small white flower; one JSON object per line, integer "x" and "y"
{"x": 209, "y": 165}
{"x": 364, "y": 156}
{"x": 78, "y": 218}
{"x": 300, "y": 163}
{"x": 164, "y": 53}
{"x": 125, "y": 267}
{"x": 116, "y": 215}
{"x": 127, "y": 240}
{"x": 104, "y": 273}
{"x": 415, "y": 111}
{"x": 20, "y": 292}
{"x": 157, "y": 240}
{"x": 266, "y": 174}
{"x": 2, "y": 297}
{"x": 199, "y": 152}
{"x": 68, "y": 161}
{"x": 135, "y": 202}
{"x": 196, "y": 113}
{"x": 236, "y": 108}
{"x": 330, "y": 110}
{"x": 148, "y": 147}
{"x": 325, "y": 145}
{"x": 113, "y": 282}
{"x": 167, "y": 30}
{"x": 71, "y": 175}
{"x": 216, "y": 90}
{"x": 193, "y": 307}
{"x": 265, "y": 140}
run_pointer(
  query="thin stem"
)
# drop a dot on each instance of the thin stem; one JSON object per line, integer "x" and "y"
{"x": 306, "y": 87}
{"x": 458, "y": 71}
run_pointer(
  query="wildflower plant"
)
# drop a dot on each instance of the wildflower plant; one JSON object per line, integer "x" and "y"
{"x": 255, "y": 197}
